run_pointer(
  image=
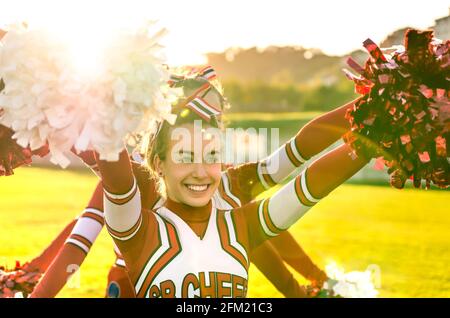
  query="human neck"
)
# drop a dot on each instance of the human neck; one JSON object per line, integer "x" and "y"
{"x": 189, "y": 213}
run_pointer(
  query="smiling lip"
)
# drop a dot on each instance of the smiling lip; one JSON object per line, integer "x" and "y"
{"x": 197, "y": 188}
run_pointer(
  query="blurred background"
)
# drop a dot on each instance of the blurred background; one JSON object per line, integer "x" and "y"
{"x": 280, "y": 63}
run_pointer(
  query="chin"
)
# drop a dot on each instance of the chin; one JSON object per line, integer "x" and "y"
{"x": 197, "y": 202}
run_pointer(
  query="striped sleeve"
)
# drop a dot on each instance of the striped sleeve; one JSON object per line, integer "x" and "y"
{"x": 87, "y": 229}
{"x": 123, "y": 217}
{"x": 286, "y": 206}
{"x": 269, "y": 217}
{"x": 294, "y": 199}
{"x": 280, "y": 164}
{"x": 247, "y": 181}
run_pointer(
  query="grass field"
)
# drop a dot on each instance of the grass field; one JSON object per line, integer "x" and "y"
{"x": 405, "y": 233}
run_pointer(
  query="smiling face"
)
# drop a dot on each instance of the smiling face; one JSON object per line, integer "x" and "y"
{"x": 191, "y": 169}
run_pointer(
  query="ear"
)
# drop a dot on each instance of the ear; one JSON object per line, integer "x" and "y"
{"x": 159, "y": 166}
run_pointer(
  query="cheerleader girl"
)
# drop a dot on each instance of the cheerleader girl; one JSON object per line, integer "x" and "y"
{"x": 266, "y": 258}
{"x": 190, "y": 246}
{"x": 239, "y": 186}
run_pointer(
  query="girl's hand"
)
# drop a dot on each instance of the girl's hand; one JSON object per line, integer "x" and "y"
{"x": 12, "y": 155}
{"x": 33, "y": 266}
{"x": 318, "y": 278}
{"x": 312, "y": 291}
{"x": 88, "y": 156}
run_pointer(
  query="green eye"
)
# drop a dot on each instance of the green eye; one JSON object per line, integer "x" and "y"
{"x": 187, "y": 157}
{"x": 183, "y": 157}
{"x": 213, "y": 157}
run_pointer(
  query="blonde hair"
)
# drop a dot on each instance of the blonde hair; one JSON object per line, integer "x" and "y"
{"x": 158, "y": 143}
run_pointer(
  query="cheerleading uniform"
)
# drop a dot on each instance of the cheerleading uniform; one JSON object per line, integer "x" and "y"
{"x": 239, "y": 186}
{"x": 180, "y": 251}
{"x": 91, "y": 221}
{"x": 80, "y": 236}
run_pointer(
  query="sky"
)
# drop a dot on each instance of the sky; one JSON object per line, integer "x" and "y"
{"x": 199, "y": 26}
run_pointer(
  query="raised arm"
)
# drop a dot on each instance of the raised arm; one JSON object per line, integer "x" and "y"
{"x": 146, "y": 184}
{"x": 77, "y": 246}
{"x": 245, "y": 182}
{"x": 90, "y": 223}
{"x": 81, "y": 234}
{"x": 248, "y": 180}
{"x": 126, "y": 221}
{"x": 269, "y": 217}
{"x": 42, "y": 262}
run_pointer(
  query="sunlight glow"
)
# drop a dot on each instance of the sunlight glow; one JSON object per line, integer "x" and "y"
{"x": 200, "y": 26}
{"x": 86, "y": 37}
{"x": 87, "y": 49}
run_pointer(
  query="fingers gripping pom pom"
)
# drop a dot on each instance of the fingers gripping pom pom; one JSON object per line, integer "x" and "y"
{"x": 404, "y": 115}
{"x": 45, "y": 101}
{"x": 12, "y": 155}
{"x": 18, "y": 282}
{"x": 347, "y": 285}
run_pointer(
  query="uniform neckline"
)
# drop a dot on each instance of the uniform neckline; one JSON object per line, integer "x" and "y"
{"x": 189, "y": 213}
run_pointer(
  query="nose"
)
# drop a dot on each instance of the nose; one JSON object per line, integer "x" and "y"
{"x": 199, "y": 171}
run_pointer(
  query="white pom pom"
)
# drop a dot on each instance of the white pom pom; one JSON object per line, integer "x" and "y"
{"x": 350, "y": 285}
{"x": 44, "y": 100}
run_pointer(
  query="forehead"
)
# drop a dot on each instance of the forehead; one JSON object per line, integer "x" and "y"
{"x": 191, "y": 136}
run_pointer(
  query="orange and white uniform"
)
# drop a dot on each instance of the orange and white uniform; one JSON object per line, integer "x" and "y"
{"x": 239, "y": 186}
{"x": 163, "y": 255}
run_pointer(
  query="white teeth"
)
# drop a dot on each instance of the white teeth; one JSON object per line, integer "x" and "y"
{"x": 197, "y": 188}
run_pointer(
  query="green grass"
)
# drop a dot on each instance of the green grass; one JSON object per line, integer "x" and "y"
{"x": 405, "y": 233}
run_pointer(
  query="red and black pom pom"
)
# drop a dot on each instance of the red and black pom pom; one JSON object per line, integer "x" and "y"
{"x": 17, "y": 280}
{"x": 404, "y": 115}
{"x": 12, "y": 155}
